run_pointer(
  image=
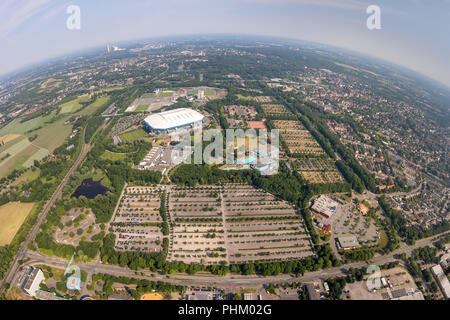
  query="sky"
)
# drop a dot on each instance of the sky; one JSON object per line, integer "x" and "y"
{"x": 414, "y": 33}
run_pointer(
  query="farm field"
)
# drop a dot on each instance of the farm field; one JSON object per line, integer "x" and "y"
{"x": 20, "y": 154}
{"x": 298, "y": 139}
{"x": 78, "y": 224}
{"x": 318, "y": 170}
{"x": 90, "y": 109}
{"x": 133, "y": 135}
{"x": 12, "y": 216}
{"x": 261, "y": 228}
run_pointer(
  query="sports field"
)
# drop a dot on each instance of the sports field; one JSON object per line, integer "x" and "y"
{"x": 12, "y": 215}
{"x": 152, "y": 296}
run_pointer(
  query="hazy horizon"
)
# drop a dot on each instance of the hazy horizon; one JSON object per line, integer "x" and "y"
{"x": 412, "y": 33}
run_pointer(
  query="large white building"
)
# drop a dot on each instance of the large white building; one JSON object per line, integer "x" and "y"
{"x": 173, "y": 119}
{"x": 442, "y": 280}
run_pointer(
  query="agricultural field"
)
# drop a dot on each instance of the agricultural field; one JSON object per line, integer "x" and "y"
{"x": 235, "y": 223}
{"x": 142, "y": 107}
{"x": 136, "y": 223}
{"x": 298, "y": 139}
{"x": 260, "y": 227}
{"x": 78, "y": 224}
{"x": 12, "y": 216}
{"x": 133, "y": 135}
{"x": 275, "y": 109}
{"x": 198, "y": 234}
{"x": 27, "y": 177}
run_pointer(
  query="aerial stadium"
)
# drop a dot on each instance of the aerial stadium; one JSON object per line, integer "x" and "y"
{"x": 172, "y": 120}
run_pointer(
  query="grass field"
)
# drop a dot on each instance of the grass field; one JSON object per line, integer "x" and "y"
{"x": 142, "y": 107}
{"x": 242, "y": 97}
{"x": 152, "y": 296}
{"x": 133, "y": 135}
{"x": 163, "y": 94}
{"x": 12, "y": 215}
{"x": 8, "y": 138}
{"x": 26, "y": 177}
{"x": 107, "y": 155}
{"x": 210, "y": 92}
{"x": 383, "y": 239}
{"x": 74, "y": 105}
{"x": 148, "y": 95}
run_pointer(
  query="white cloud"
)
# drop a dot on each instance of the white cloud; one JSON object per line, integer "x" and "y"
{"x": 13, "y": 13}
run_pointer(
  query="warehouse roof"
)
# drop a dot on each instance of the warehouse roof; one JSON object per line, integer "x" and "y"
{"x": 173, "y": 119}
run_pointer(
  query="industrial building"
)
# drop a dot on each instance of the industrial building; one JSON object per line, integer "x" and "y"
{"x": 324, "y": 206}
{"x": 170, "y": 121}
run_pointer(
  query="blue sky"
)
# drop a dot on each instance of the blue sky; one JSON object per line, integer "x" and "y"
{"x": 414, "y": 34}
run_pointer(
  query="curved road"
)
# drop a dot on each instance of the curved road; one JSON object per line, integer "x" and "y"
{"x": 228, "y": 280}
{"x": 35, "y": 229}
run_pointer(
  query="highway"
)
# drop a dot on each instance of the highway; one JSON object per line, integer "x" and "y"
{"x": 36, "y": 227}
{"x": 228, "y": 280}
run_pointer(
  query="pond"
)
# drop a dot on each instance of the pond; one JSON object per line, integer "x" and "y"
{"x": 90, "y": 189}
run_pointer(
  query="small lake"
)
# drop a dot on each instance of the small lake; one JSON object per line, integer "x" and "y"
{"x": 90, "y": 189}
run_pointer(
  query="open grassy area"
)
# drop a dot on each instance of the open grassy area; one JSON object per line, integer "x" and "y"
{"x": 383, "y": 239}
{"x": 90, "y": 109}
{"x": 74, "y": 105}
{"x": 142, "y": 107}
{"x": 133, "y": 135}
{"x": 163, "y": 94}
{"x": 210, "y": 92}
{"x": 27, "y": 176}
{"x": 12, "y": 215}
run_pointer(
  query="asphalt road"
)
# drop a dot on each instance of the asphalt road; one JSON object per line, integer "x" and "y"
{"x": 36, "y": 227}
